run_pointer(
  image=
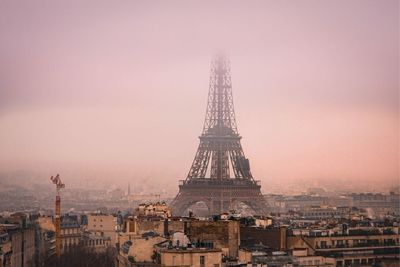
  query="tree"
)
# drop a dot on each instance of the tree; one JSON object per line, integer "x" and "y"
{"x": 80, "y": 256}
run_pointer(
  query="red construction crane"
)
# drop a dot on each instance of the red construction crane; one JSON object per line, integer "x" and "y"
{"x": 57, "y": 220}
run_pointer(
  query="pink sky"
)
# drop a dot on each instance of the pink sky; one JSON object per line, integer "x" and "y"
{"x": 122, "y": 87}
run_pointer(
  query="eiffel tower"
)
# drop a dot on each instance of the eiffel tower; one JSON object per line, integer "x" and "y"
{"x": 220, "y": 175}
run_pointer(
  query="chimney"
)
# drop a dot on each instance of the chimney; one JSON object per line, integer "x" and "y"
{"x": 166, "y": 231}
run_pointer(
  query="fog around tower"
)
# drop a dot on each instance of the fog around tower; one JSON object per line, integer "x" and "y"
{"x": 109, "y": 94}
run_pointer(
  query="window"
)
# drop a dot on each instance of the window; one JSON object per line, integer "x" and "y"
{"x": 202, "y": 261}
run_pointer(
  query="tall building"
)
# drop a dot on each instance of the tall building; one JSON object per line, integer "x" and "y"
{"x": 71, "y": 234}
{"x": 17, "y": 245}
{"x": 220, "y": 175}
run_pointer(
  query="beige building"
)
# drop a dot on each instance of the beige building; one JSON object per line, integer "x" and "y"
{"x": 224, "y": 235}
{"x": 154, "y": 209}
{"x": 262, "y": 222}
{"x": 305, "y": 260}
{"x": 139, "y": 225}
{"x": 95, "y": 242}
{"x": 143, "y": 248}
{"x": 196, "y": 257}
{"x": 349, "y": 249}
{"x": 245, "y": 256}
{"x": 105, "y": 224}
{"x": 138, "y": 250}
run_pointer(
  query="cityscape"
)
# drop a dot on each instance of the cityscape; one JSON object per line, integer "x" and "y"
{"x": 140, "y": 134}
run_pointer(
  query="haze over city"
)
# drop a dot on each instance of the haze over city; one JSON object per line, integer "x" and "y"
{"x": 116, "y": 93}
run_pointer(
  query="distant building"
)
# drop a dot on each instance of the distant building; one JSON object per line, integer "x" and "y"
{"x": 321, "y": 213}
{"x": 316, "y": 191}
{"x": 354, "y": 246}
{"x": 154, "y": 209}
{"x": 300, "y": 202}
{"x": 116, "y": 194}
{"x": 380, "y": 204}
{"x": 262, "y": 221}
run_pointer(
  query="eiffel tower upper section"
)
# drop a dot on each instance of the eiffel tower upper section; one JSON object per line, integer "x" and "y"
{"x": 220, "y": 154}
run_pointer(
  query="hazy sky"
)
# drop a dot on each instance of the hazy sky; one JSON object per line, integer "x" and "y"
{"x": 121, "y": 87}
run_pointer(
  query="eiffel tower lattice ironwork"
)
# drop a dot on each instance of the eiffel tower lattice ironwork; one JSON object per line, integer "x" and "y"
{"x": 220, "y": 174}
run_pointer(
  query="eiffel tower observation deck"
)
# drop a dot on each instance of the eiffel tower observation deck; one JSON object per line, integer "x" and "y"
{"x": 220, "y": 174}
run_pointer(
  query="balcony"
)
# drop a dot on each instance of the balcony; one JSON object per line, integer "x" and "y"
{"x": 205, "y": 182}
{"x": 357, "y": 246}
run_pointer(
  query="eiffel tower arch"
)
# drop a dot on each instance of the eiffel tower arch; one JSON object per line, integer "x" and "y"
{"x": 220, "y": 173}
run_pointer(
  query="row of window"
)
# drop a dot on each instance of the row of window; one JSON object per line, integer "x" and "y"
{"x": 310, "y": 262}
{"x": 356, "y": 243}
{"x": 96, "y": 242}
{"x": 369, "y": 261}
{"x": 69, "y": 242}
{"x": 70, "y": 231}
{"x": 202, "y": 261}
{"x": 74, "y": 241}
{"x": 322, "y": 213}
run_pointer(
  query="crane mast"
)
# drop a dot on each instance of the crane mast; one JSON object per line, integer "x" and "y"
{"x": 57, "y": 219}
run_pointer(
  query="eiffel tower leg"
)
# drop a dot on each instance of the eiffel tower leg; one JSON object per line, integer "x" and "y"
{"x": 257, "y": 204}
{"x": 184, "y": 201}
{"x": 180, "y": 204}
